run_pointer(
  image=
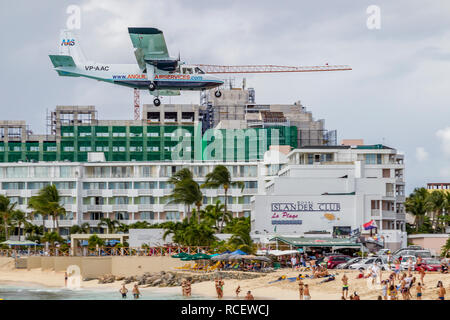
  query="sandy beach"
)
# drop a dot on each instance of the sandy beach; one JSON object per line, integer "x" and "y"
{"x": 260, "y": 287}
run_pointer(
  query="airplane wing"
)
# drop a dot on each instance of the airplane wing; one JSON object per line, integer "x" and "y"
{"x": 150, "y": 45}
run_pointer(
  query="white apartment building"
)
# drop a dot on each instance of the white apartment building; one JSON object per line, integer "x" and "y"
{"x": 124, "y": 191}
{"x": 331, "y": 190}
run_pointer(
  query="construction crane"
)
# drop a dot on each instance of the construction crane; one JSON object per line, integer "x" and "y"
{"x": 214, "y": 69}
{"x": 137, "y": 104}
{"x": 245, "y": 69}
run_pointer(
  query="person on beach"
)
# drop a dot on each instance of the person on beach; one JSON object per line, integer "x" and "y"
{"x": 374, "y": 272}
{"x": 422, "y": 273}
{"x": 123, "y": 291}
{"x": 397, "y": 269}
{"x": 410, "y": 264}
{"x": 65, "y": 279}
{"x": 306, "y": 294}
{"x": 419, "y": 291}
{"x": 136, "y": 292}
{"x": 249, "y": 296}
{"x": 238, "y": 290}
{"x": 188, "y": 290}
{"x": 300, "y": 288}
{"x": 293, "y": 262}
{"x": 392, "y": 293}
{"x": 183, "y": 287}
{"x": 441, "y": 291}
{"x": 384, "y": 289}
{"x": 360, "y": 275}
{"x": 355, "y": 296}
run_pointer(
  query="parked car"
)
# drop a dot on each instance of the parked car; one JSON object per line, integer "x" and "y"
{"x": 416, "y": 253}
{"x": 431, "y": 264}
{"x": 382, "y": 252}
{"x": 333, "y": 261}
{"x": 345, "y": 265}
{"x": 368, "y": 262}
{"x": 404, "y": 263}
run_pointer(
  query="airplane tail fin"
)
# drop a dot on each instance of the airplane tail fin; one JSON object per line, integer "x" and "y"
{"x": 70, "y": 46}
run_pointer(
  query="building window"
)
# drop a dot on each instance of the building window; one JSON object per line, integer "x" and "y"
{"x": 172, "y": 215}
{"x": 122, "y": 216}
{"x": 147, "y": 215}
{"x": 96, "y": 215}
{"x": 372, "y": 158}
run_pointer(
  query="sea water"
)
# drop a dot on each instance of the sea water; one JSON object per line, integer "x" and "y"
{"x": 33, "y": 292}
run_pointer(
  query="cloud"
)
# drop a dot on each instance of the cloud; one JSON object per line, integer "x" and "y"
{"x": 444, "y": 136}
{"x": 421, "y": 154}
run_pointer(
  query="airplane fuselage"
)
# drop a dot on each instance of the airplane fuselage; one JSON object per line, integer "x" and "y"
{"x": 130, "y": 75}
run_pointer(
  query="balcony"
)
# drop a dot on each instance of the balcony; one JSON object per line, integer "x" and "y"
{"x": 118, "y": 192}
{"x": 386, "y": 214}
{"x": 120, "y": 207}
{"x": 145, "y": 207}
{"x": 94, "y": 192}
{"x": 94, "y": 207}
{"x": 145, "y": 192}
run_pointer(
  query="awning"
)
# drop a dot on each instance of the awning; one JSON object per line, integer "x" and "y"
{"x": 318, "y": 242}
{"x": 19, "y": 243}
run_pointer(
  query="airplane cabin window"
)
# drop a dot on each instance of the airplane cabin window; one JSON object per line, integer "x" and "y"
{"x": 199, "y": 71}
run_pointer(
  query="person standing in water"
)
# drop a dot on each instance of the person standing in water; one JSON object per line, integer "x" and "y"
{"x": 136, "y": 292}
{"x": 238, "y": 290}
{"x": 65, "y": 279}
{"x": 123, "y": 291}
{"x": 249, "y": 296}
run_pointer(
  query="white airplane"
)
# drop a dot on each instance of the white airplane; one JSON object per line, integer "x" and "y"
{"x": 155, "y": 70}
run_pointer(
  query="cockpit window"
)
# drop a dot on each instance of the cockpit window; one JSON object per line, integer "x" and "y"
{"x": 187, "y": 70}
{"x": 199, "y": 71}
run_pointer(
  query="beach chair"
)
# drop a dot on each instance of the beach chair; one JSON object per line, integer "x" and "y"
{"x": 195, "y": 267}
{"x": 214, "y": 267}
{"x": 187, "y": 266}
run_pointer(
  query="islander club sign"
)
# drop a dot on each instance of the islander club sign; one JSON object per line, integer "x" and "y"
{"x": 288, "y": 212}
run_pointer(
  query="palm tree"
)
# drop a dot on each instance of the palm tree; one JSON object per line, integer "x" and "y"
{"x": 180, "y": 175}
{"x": 186, "y": 190}
{"x": 436, "y": 203}
{"x": 84, "y": 228}
{"x": 214, "y": 213}
{"x": 241, "y": 238}
{"x": 417, "y": 205}
{"x": 19, "y": 219}
{"x": 111, "y": 225}
{"x": 221, "y": 177}
{"x": 445, "y": 251}
{"x": 6, "y": 212}
{"x": 48, "y": 202}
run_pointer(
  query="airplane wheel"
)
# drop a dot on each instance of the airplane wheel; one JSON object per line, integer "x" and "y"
{"x": 157, "y": 102}
{"x": 218, "y": 94}
{"x": 152, "y": 86}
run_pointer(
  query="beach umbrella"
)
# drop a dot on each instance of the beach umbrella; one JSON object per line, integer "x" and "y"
{"x": 221, "y": 257}
{"x": 249, "y": 257}
{"x": 187, "y": 258}
{"x": 201, "y": 256}
{"x": 180, "y": 255}
{"x": 238, "y": 252}
{"x": 18, "y": 243}
{"x": 264, "y": 259}
{"x": 236, "y": 257}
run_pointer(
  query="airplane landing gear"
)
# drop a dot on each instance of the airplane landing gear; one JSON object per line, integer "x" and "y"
{"x": 157, "y": 102}
{"x": 152, "y": 86}
{"x": 218, "y": 94}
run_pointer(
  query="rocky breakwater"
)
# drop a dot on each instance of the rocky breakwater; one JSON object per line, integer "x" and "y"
{"x": 174, "y": 279}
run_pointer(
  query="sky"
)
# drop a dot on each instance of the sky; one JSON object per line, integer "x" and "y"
{"x": 397, "y": 93}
